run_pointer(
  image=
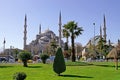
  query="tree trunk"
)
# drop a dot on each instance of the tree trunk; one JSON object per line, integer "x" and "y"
{"x": 58, "y": 74}
{"x": 73, "y": 49}
{"x": 44, "y": 61}
{"x": 67, "y": 40}
{"x": 25, "y": 64}
{"x": 116, "y": 63}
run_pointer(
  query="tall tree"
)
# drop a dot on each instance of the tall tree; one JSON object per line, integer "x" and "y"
{"x": 66, "y": 47}
{"x": 100, "y": 46}
{"x": 74, "y": 31}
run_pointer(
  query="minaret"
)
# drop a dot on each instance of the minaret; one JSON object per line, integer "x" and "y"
{"x": 25, "y": 32}
{"x": 100, "y": 32}
{"x": 104, "y": 29}
{"x": 118, "y": 42}
{"x": 40, "y": 29}
{"x": 109, "y": 42}
{"x": 60, "y": 24}
{"x": 4, "y": 45}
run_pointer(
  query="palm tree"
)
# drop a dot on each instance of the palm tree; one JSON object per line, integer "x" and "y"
{"x": 65, "y": 33}
{"x": 73, "y": 31}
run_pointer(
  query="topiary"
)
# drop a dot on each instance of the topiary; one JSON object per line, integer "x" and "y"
{"x": 44, "y": 57}
{"x": 59, "y": 62}
{"x": 24, "y": 57}
{"x": 19, "y": 76}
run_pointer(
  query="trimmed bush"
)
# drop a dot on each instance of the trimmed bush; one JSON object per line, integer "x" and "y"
{"x": 24, "y": 57}
{"x": 44, "y": 57}
{"x": 59, "y": 62}
{"x": 19, "y": 76}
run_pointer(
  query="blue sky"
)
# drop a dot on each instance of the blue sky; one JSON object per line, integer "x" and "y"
{"x": 46, "y": 13}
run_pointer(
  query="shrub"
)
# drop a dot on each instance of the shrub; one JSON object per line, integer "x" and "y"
{"x": 24, "y": 57}
{"x": 19, "y": 76}
{"x": 59, "y": 62}
{"x": 44, "y": 57}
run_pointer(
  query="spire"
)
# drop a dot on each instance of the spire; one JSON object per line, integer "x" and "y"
{"x": 25, "y": 18}
{"x": 118, "y": 42}
{"x": 60, "y": 24}
{"x": 109, "y": 42}
{"x": 25, "y": 31}
{"x": 40, "y": 29}
{"x": 4, "y": 41}
{"x": 100, "y": 31}
{"x": 104, "y": 29}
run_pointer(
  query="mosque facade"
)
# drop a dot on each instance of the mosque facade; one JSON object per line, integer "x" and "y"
{"x": 41, "y": 42}
{"x": 43, "y": 39}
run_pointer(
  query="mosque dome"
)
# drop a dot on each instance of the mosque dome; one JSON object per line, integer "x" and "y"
{"x": 97, "y": 38}
{"x": 91, "y": 41}
{"x": 48, "y": 32}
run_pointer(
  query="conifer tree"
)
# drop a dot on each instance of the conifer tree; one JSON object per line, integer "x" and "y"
{"x": 59, "y": 62}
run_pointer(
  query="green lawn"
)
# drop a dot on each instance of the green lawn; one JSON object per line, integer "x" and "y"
{"x": 74, "y": 71}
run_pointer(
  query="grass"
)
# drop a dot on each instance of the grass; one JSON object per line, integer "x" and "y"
{"x": 74, "y": 71}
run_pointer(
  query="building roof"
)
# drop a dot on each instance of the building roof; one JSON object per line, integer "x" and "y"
{"x": 114, "y": 53}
